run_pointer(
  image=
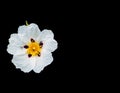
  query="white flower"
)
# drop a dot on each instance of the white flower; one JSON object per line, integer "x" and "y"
{"x": 31, "y": 48}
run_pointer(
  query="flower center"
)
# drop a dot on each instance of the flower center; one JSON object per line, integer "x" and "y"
{"x": 33, "y": 48}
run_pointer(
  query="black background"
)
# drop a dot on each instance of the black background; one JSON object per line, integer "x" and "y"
{"x": 59, "y": 19}
{"x": 74, "y": 26}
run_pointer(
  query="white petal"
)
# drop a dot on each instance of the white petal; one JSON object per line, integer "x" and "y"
{"x": 15, "y": 46}
{"x": 15, "y": 40}
{"x": 28, "y": 32}
{"x": 50, "y": 45}
{"x": 33, "y": 31}
{"x": 24, "y": 63}
{"x": 22, "y": 29}
{"x": 15, "y": 50}
{"x": 22, "y": 33}
{"x": 44, "y": 35}
{"x": 47, "y": 37}
{"x": 44, "y": 60}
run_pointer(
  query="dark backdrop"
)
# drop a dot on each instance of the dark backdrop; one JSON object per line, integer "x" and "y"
{"x": 55, "y": 17}
{"x": 76, "y": 31}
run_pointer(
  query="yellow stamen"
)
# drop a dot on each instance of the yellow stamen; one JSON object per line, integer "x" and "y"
{"x": 34, "y": 48}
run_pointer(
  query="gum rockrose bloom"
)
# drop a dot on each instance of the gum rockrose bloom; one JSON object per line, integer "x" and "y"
{"x": 31, "y": 48}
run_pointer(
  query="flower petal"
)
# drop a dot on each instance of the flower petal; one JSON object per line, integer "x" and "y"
{"x": 28, "y": 32}
{"x": 47, "y": 37}
{"x": 24, "y": 63}
{"x": 44, "y": 35}
{"x": 15, "y": 46}
{"x": 50, "y": 45}
{"x": 15, "y": 40}
{"x": 15, "y": 50}
{"x": 33, "y": 31}
{"x": 22, "y": 29}
{"x": 41, "y": 62}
